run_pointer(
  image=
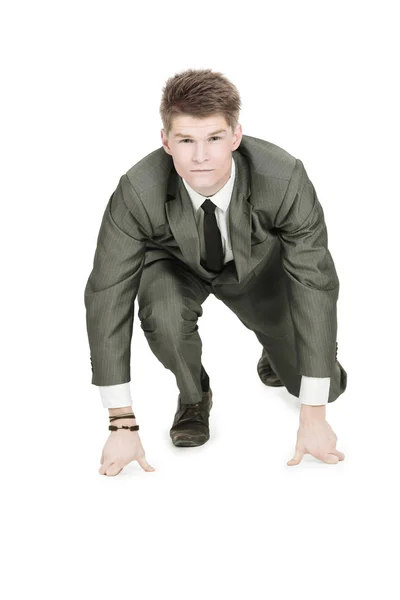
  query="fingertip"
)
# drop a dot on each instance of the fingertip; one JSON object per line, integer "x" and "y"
{"x": 332, "y": 459}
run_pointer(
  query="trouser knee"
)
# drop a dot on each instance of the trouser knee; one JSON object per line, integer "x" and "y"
{"x": 171, "y": 332}
{"x": 170, "y": 322}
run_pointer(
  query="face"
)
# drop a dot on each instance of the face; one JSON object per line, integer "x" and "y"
{"x": 201, "y": 150}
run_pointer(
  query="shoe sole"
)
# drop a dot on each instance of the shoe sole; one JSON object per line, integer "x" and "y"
{"x": 187, "y": 442}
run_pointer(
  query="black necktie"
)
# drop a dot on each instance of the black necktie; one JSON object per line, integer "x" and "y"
{"x": 212, "y": 238}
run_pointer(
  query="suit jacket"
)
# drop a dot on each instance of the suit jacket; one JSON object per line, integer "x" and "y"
{"x": 149, "y": 216}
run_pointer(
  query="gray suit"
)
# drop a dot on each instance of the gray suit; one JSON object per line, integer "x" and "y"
{"x": 282, "y": 283}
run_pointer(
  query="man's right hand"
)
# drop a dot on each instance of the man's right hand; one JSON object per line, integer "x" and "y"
{"x": 122, "y": 447}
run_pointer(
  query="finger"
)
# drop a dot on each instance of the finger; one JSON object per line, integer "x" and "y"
{"x": 108, "y": 468}
{"x": 296, "y": 459}
{"x": 337, "y": 453}
{"x": 330, "y": 458}
{"x": 114, "y": 469}
{"x": 104, "y": 467}
{"x": 102, "y": 458}
{"x": 145, "y": 465}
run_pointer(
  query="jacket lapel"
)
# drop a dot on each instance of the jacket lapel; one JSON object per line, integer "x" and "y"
{"x": 239, "y": 217}
{"x": 182, "y": 221}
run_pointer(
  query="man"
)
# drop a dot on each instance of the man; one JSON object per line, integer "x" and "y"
{"x": 214, "y": 211}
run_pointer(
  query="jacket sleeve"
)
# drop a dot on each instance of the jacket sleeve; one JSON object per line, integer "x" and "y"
{"x": 312, "y": 281}
{"x": 113, "y": 283}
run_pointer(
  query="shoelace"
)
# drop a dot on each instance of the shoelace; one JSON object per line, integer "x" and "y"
{"x": 193, "y": 414}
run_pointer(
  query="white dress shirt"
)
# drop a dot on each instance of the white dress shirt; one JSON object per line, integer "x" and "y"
{"x": 313, "y": 390}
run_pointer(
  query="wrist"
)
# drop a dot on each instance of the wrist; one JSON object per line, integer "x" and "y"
{"x": 310, "y": 413}
{"x": 121, "y": 410}
{"x": 120, "y": 428}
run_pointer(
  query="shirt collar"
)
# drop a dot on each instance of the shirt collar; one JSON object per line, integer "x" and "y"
{"x": 221, "y": 198}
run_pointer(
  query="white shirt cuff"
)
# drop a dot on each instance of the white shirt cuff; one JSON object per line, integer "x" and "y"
{"x": 314, "y": 390}
{"x": 115, "y": 396}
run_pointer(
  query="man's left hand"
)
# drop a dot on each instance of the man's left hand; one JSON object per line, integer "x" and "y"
{"x": 317, "y": 438}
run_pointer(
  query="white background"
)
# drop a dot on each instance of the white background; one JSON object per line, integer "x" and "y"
{"x": 81, "y": 89}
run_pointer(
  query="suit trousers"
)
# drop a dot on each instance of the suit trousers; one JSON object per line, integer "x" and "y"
{"x": 170, "y": 298}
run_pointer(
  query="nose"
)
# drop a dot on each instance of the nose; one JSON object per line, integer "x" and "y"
{"x": 199, "y": 155}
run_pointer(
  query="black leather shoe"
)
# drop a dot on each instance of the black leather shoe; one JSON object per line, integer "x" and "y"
{"x": 190, "y": 426}
{"x": 266, "y": 373}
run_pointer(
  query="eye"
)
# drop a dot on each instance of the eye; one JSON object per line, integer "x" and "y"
{"x": 214, "y": 137}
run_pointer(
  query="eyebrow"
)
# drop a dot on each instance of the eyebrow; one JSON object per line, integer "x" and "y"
{"x": 184, "y": 135}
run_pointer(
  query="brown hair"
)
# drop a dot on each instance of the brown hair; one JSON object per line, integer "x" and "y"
{"x": 199, "y": 93}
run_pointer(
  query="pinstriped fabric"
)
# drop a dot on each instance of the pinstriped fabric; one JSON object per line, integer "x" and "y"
{"x": 149, "y": 217}
{"x": 170, "y": 301}
{"x": 312, "y": 279}
{"x": 111, "y": 288}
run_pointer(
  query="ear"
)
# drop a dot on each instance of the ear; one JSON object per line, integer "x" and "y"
{"x": 164, "y": 142}
{"x": 237, "y": 137}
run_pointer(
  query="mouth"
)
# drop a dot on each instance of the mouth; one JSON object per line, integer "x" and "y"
{"x": 202, "y": 170}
